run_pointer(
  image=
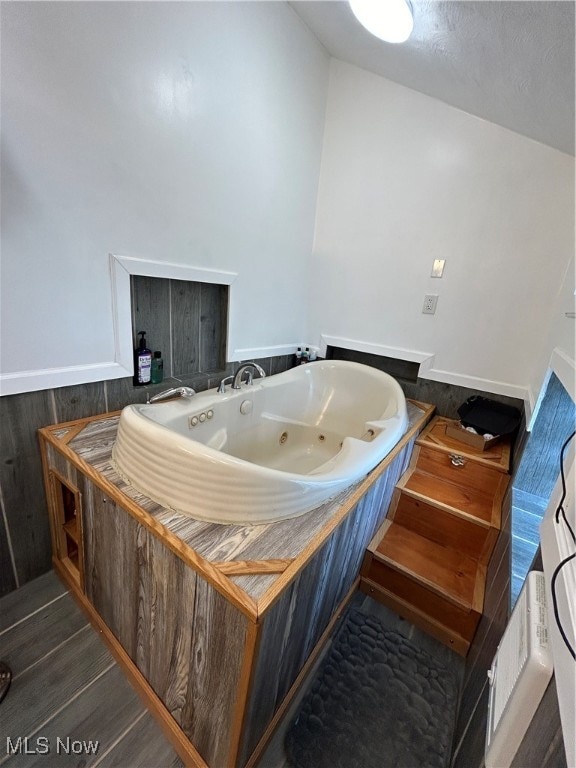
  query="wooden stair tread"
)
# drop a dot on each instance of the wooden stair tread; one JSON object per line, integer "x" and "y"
{"x": 476, "y": 505}
{"x": 434, "y": 436}
{"x": 453, "y": 575}
{"x": 426, "y": 621}
{"x": 440, "y": 524}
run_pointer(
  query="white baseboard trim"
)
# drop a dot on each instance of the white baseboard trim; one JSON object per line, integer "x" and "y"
{"x": 52, "y": 378}
{"x": 565, "y": 368}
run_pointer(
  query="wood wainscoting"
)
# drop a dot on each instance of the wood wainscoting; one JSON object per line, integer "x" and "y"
{"x": 213, "y": 624}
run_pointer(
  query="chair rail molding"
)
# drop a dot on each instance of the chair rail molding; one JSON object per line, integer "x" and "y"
{"x": 120, "y": 269}
{"x": 427, "y": 370}
{"x": 370, "y": 347}
{"x": 20, "y": 382}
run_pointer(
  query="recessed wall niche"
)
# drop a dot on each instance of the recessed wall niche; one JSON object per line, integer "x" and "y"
{"x": 185, "y": 320}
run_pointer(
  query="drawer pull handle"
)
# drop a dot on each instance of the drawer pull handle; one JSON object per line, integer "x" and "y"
{"x": 457, "y": 460}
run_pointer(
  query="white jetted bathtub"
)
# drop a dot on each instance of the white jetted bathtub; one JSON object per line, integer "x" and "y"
{"x": 271, "y": 450}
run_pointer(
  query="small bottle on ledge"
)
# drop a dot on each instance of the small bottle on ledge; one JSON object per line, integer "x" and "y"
{"x": 157, "y": 370}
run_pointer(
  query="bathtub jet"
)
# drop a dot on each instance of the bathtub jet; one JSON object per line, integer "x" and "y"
{"x": 274, "y": 449}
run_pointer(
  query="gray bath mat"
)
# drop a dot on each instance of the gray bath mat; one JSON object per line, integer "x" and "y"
{"x": 378, "y": 702}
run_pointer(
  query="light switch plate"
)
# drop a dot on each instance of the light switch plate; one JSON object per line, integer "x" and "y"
{"x": 438, "y": 267}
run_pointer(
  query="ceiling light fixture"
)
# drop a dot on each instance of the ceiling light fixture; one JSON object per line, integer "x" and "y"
{"x": 389, "y": 20}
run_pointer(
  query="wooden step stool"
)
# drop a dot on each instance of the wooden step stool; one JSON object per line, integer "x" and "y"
{"x": 428, "y": 560}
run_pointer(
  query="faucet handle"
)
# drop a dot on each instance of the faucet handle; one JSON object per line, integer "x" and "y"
{"x": 222, "y": 385}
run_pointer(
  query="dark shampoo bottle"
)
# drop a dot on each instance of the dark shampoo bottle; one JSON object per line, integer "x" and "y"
{"x": 157, "y": 371}
{"x": 142, "y": 361}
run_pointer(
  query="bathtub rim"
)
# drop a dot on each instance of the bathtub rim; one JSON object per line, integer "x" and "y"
{"x": 273, "y": 494}
{"x": 137, "y": 412}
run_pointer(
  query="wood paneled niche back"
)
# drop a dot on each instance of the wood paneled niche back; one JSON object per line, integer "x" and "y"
{"x": 215, "y": 625}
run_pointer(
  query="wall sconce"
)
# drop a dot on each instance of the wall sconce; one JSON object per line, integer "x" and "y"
{"x": 389, "y": 20}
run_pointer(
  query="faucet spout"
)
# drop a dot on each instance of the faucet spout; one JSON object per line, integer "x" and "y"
{"x": 167, "y": 394}
{"x": 250, "y": 368}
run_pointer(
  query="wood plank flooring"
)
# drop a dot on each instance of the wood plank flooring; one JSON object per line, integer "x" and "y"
{"x": 67, "y": 686}
{"x": 527, "y": 513}
{"x": 536, "y": 475}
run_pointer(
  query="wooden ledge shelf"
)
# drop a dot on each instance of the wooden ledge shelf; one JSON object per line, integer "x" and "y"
{"x": 71, "y": 528}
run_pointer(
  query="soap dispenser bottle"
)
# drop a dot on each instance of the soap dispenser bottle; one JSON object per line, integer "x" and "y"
{"x": 142, "y": 361}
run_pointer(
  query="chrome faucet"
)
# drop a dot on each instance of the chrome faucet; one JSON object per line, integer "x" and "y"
{"x": 222, "y": 385}
{"x": 174, "y": 392}
{"x": 250, "y": 369}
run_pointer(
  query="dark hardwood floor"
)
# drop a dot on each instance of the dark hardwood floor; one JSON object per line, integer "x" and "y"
{"x": 69, "y": 694}
{"x": 69, "y": 703}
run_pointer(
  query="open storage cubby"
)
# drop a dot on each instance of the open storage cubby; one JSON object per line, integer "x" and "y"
{"x": 185, "y": 320}
{"x": 67, "y": 524}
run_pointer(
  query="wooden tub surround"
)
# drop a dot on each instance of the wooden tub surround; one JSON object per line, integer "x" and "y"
{"x": 215, "y": 625}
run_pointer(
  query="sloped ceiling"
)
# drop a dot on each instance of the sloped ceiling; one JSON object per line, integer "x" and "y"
{"x": 508, "y": 62}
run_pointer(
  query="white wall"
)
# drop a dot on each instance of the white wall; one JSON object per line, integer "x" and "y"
{"x": 177, "y": 132}
{"x": 559, "y": 350}
{"x": 192, "y": 133}
{"x": 406, "y": 179}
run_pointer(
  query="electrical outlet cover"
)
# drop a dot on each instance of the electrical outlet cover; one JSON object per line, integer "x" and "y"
{"x": 429, "y": 306}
